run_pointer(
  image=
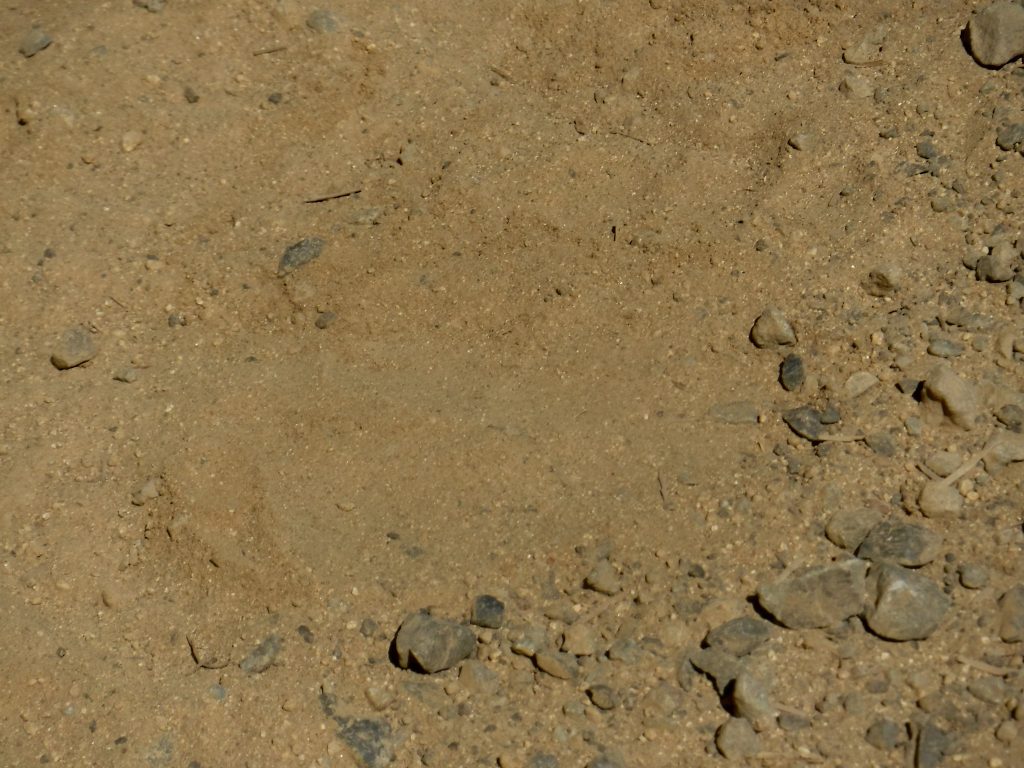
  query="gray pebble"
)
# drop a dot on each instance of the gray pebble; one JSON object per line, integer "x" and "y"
{"x": 74, "y": 348}
{"x": 806, "y": 422}
{"x": 847, "y": 528}
{"x": 720, "y": 666}
{"x": 791, "y": 721}
{"x": 33, "y": 42}
{"x": 580, "y": 640}
{"x": 944, "y": 463}
{"x": 603, "y": 578}
{"x": 885, "y": 734}
{"x": 772, "y": 329}
{"x": 859, "y": 383}
{"x": 262, "y": 657}
{"x": 932, "y": 745}
{"x": 750, "y": 698}
{"x": 905, "y": 605}
{"x": 322, "y": 21}
{"x": 527, "y": 641}
{"x": 881, "y": 443}
{"x": 999, "y": 265}
{"x": 606, "y": 761}
{"x": 430, "y": 645}
{"x": 991, "y": 690}
{"x": 739, "y": 637}
{"x": 476, "y": 678}
{"x": 996, "y": 33}
{"x": 1011, "y": 615}
{"x": 791, "y": 373}
{"x": 816, "y": 597}
{"x": 1007, "y": 731}
{"x": 487, "y": 611}
{"x": 126, "y": 375}
{"x": 557, "y": 664}
{"x": 371, "y": 741}
{"x": 901, "y": 543}
{"x": 190, "y": 94}
{"x": 153, "y": 6}
{"x": 736, "y": 739}
{"x": 299, "y": 254}
{"x": 802, "y": 142}
{"x": 973, "y": 576}
{"x": 942, "y": 347}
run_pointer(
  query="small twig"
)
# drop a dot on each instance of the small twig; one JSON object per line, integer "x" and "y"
{"x": 122, "y": 306}
{"x": 265, "y": 51}
{"x": 338, "y": 196}
{"x": 634, "y": 138}
{"x": 840, "y": 438}
{"x": 502, "y": 74}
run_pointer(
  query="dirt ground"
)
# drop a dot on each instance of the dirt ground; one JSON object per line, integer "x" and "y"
{"x": 548, "y": 227}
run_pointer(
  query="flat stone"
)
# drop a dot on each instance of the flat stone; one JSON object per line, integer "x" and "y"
{"x": 858, "y": 384}
{"x": 262, "y": 657}
{"x": 772, "y": 329}
{"x": 322, "y": 21}
{"x": 945, "y": 348}
{"x": 738, "y": 412}
{"x": 847, "y": 528}
{"x": 885, "y": 734}
{"x": 299, "y": 254}
{"x": 996, "y": 33}
{"x": 737, "y": 740}
{"x": 805, "y": 422}
{"x": 901, "y": 543}
{"x": 428, "y": 644}
{"x": 476, "y": 678}
{"x": 1011, "y": 615}
{"x": 35, "y": 40}
{"x": 906, "y": 605}
{"x": 945, "y": 394}
{"x": 74, "y": 348}
{"x": 739, "y": 637}
{"x": 973, "y": 576}
{"x": 487, "y": 611}
{"x": 931, "y": 747}
{"x": 817, "y": 597}
{"x": 557, "y": 664}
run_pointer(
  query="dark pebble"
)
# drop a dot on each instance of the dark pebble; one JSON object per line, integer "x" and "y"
{"x": 487, "y": 611}
{"x": 791, "y": 373}
{"x": 305, "y": 633}
{"x": 739, "y": 637}
{"x": 427, "y": 644}
{"x": 1011, "y": 416}
{"x": 1011, "y": 137}
{"x": 35, "y": 41}
{"x": 190, "y": 95}
{"x": 324, "y": 319}
{"x": 806, "y": 422}
{"x": 881, "y": 443}
{"x": 299, "y": 254}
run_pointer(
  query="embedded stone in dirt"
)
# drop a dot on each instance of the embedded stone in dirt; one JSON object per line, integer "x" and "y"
{"x": 817, "y": 597}
{"x": 938, "y": 499}
{"x": 859, "y": 383}
{"x": 772, "y": 329}
{"x": 74, "y": 348}
{"x": 847, "y": 528}
{"x": 996, "y": 33}
{"x": 901, "y": 543}
{"x": 1011, "y": 615}
{"x": 322, "y": 21}
{"x": 428, "y": 644}
{"x": 487, "y": 611}
{"x": 946, "y": 394}
{"x": 1000, "y": 264}
{"x": 603, "y": 578}
{"x": 299, "y": 254}
{"x": 884, "y": 280}
{"x": 262, "y": 657}
{"x": 739, "y": 637}
{"x": 907, "y": 605}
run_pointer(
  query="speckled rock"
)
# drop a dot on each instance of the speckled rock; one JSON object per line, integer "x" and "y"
{"x": 817, "y": 597}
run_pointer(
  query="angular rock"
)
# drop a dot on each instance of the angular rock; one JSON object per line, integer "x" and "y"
{"x": 883, "y": 281}
{"x": 35, "y": 41}
{"x": 772, "y": 329}
{"x": 557, "y": 664}
{"x": 946, "y": 394}
{"x": 372, "y": 741}
{"x": 1000, "y": 264}
{"x": 901, "y": 543}
{"x": 996, "y": 33}
{"x": 603, "y": 697}
{"x": 749, "y": 697}
{"x": 1010, "y": 139}
{"x": 1011, "y": 615}
{"x": 736, "y": 739}
{"x": 299, "y": 254}
{"x": 1002, "y": 449}
{"x": 428, "y": 644}
{"x": 847, "y": 528}
{"x": 938, "y": 500}
{"x": 74, "y": 348}
{"x": 739, "y": 637}
{"x": 858, "y": 384}
{"x": 720, "y": 666}
{"x": 488, "y": 611}
{"x": 805, "y": 422}
{"x": 906, "y": 605}
{"x": 817, "y": 597}
{"x": 262, "y": 657}
{"x": 603, "y": 578}
{"x": 580, "y": 640}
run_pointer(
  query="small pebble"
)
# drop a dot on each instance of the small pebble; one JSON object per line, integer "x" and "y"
{"x": 487, "y": 611}
{"x": 772, "y": 329}
{"x": 946, "y": 348}
{"x": 74, "y": 348}
{"x": 603, "y": 578}
{"x": 322, "y": 21}
{"x": 737, "y": 740}
{"x": 973, "y": 576}
{"x": 791, "y": 373}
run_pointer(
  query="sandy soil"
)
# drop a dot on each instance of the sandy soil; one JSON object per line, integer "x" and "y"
{"x": 548, "y": 228}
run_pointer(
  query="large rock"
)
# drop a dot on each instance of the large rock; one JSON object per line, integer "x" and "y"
{"x": 430, "y": 645}
{"x": 818, "y": 597}
{"x": 996, "y": 33}
{"x": 906, "y": 605}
